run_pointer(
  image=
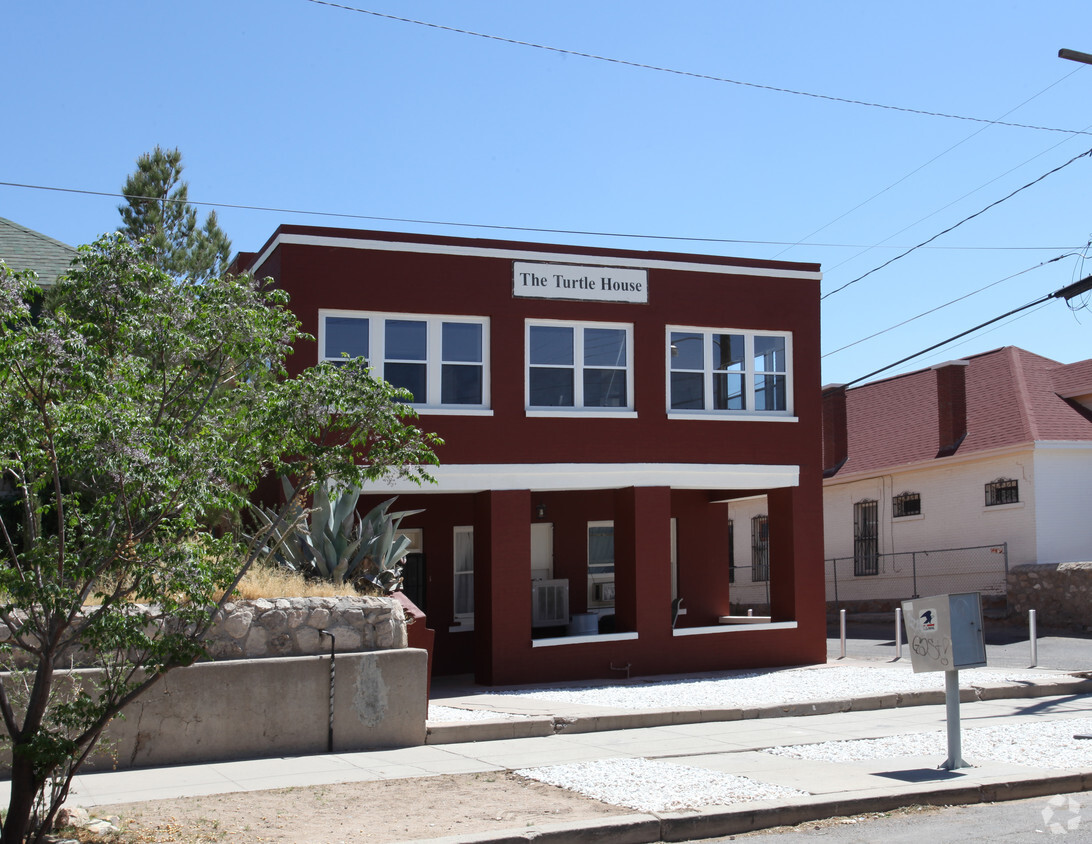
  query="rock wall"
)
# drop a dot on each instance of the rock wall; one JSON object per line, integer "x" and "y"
{"x": 295, "y": 627}
{"x": 1060, "y": 593}
{"x": 284, "y": 627}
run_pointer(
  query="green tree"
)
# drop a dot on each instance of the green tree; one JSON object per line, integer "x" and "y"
{"x": 134, "y": 406}
{"x": 157, "y": 210}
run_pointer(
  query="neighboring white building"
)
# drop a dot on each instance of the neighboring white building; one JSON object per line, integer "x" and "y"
{"x": 990, "y": 457}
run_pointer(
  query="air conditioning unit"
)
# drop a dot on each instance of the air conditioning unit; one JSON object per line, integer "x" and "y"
{"x": 549, "y": 603}
{"x": 604, "y": 591}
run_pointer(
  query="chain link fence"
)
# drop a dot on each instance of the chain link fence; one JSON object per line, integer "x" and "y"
{"x": 910, "y": 574}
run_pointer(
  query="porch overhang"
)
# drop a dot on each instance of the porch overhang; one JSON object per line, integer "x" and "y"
{"x": 455, "y": 478}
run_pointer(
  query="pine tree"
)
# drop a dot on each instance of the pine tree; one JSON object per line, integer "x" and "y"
{"x": 157, "y": 210}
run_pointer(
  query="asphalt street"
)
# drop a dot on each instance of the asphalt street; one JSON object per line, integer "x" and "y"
{"x": 1007, "y": 646}
{"x": 1063, "y": 819}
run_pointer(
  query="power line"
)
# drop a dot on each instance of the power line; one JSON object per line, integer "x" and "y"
{"x": 945, "y": 305}
{"x": 948, "y": 205}
{"x": 1067, "y": 293}
{"x": 498, "y": 227}
{"x": 689, "y": 73}
{"x": 921, "y": 167}
{"x": 956, "y": 225}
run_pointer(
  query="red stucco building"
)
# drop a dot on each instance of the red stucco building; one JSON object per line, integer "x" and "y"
{"x": 599, "y": 408}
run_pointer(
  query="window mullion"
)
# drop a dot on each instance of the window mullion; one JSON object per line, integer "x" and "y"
{"x": 434, "y": 355}
{"x": 709, "y": 367}
{"x": 578, "y": 366}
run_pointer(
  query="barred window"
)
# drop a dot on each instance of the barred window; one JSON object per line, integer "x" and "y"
{"x": 866, "y": 538}
{"x": 731, "y": 551}
{"x": 906, "y": 504}
{"x": 760, "y": 548}
{"x": 1002, "y": 491}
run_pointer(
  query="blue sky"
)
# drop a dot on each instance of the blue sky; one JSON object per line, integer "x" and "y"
{"x": 290, "y": 104}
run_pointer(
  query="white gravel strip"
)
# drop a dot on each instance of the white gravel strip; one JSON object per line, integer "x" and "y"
{"x": 1043, "y": 744}
{"x": 436, "y": 712}
{"x": 650, "y": 786}
{"x": 749, "y": 689}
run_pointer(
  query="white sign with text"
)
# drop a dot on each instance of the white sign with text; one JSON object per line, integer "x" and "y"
{"x": 586, "y": 284}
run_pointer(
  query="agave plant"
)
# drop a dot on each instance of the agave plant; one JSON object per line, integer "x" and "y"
{"x": 335, "y": 543}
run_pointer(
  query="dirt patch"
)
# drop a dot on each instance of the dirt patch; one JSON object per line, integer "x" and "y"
{"x": 376, "y": 811}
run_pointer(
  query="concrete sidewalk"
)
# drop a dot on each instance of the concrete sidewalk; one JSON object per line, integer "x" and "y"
{"x": 723, "y": 741}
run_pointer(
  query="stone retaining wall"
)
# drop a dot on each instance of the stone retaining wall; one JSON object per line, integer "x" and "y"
{"x": 284, "y": 627}
{"x": 1060, "y": 593}
{"x": 294, "y": 627}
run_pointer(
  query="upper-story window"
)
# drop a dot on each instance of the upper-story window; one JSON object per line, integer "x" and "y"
{"x": 582, "y": 366}
{"x": 441, "y": 360}
{"x": 714, "y": 371}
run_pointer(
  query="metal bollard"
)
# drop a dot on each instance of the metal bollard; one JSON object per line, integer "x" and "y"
{"x": 1033, "y": 636}
{"x": 842, "y": 623}
{"x": 898, "y": 633}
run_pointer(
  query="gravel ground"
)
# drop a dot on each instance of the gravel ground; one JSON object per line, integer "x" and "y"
{"x": 753, "y": 688}
{"x": 1044, "y": 744}
{"x": 649, "y": 786}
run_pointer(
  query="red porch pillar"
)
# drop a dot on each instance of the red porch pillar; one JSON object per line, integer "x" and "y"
{"x": 502, "y": 581}
{"x": 797, "y": 586}
{"x": 642, "y": 561}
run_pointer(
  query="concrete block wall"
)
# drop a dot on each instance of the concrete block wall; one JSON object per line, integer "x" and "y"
{"x": 261, "y": 708}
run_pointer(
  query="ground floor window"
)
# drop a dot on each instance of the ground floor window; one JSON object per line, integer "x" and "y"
{"x": 866, "y": 538}
{"x": 464, "y": 573}
{"x": 760, "y": 548}
{"x": 1002, "y": 491}
{"x": 601, "y": 564}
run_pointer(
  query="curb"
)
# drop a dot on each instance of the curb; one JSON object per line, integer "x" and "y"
{"x": 545, "y": 725}
{"x": 651, "y": 828}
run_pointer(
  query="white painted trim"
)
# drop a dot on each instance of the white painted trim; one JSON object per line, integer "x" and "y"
{"x": 525, "y": 255}
{"x": 478, "y": 477}
{"x": 581, "y": 414}
{"x": 553, "y": 642}
{"x": 733, "y": 628}
{"x": 447, "y": 410}
{"x": 993, "y": 508}
{"x": 730, "y": 416}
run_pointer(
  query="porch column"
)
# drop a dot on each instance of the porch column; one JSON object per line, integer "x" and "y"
{"x": 782, "y": 554}
{"x": 502, "y": 581}
{"x": 642, "y": 561}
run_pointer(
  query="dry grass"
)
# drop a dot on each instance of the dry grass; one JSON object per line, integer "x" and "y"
{"x": 269, "y": 582}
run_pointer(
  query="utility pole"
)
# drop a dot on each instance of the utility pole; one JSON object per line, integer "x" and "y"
{"x": 1074, "y": 56}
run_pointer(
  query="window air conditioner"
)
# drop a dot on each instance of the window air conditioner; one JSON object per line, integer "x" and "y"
{"x": 549, "y": 603}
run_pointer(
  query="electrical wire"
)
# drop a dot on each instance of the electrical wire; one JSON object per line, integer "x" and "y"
{"x": 921, "y": 167}
{"x": 498, "y": 227}
{"x": 688, "y": 73}
{"x": 946, "y": 206}
{"x": 1069, "y": 292}
{"x": 945, "y": 305}
{"x": 956, "y": 225}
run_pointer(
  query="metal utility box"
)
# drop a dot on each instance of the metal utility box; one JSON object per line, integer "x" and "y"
{"x": 945, "y": 632}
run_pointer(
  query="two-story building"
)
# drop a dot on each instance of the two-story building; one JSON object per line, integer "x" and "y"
{"x": 600, "y": 408}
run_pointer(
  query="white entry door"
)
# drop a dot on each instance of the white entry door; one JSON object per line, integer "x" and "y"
{"x": 542, "y": 550}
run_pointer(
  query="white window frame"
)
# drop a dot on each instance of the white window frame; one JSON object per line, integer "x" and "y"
{"x": 434, "y": 363}
{"x": 595, "y": 578}
{"x": 463, "y": 618}
{"x": 578, "y": 408}
{"x": 749, "y": 372}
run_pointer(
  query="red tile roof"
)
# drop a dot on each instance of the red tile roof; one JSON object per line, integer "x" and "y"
{"x": 1014, "y": 398}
